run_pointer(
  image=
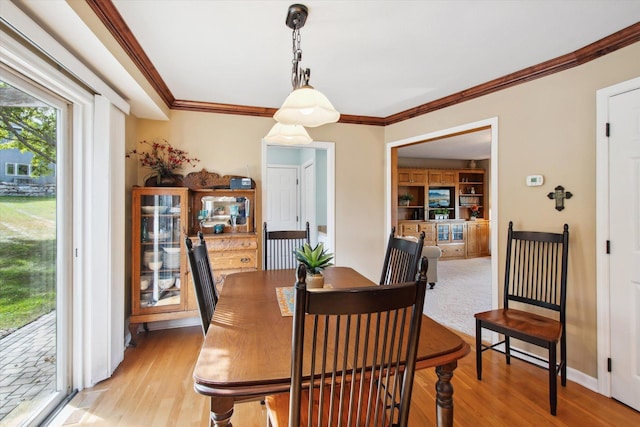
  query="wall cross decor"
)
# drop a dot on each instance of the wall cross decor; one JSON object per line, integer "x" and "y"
{"x": 559, "y": 195}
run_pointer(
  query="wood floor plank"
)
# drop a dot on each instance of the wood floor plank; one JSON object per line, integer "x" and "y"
{"x": 154, "y": 386}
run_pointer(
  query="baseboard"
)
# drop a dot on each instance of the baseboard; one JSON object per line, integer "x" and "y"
{"x": 574, "y": 375}
{"x": 163, "y": 324}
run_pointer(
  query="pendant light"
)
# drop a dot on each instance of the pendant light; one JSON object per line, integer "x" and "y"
{"x": 288, "y": 135}
{"x": 304, "y": 106}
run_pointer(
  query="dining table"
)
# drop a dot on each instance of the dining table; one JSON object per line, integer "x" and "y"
{"x": 246, "y": 352}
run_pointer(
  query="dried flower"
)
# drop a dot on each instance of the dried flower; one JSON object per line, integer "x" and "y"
{"x": 163, "y": 158}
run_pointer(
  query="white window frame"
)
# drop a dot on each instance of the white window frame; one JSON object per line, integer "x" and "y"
{"x": 96, "y": 218}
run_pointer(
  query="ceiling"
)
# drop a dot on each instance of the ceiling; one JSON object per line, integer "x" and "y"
{"x": 372, "y": 59}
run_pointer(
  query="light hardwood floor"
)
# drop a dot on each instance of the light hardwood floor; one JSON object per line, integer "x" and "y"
{"x": 154, "y": 387}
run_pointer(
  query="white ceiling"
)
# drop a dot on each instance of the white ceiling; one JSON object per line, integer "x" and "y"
{"x": 371, "y": 58}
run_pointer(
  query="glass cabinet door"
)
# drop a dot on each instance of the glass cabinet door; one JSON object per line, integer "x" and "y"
{"x": 457, "y": 232}
{"x": 158, "y": 270}
{"x": 443, "y": 232}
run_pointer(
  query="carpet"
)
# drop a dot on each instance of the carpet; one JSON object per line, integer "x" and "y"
{"x": 463, "y": 289}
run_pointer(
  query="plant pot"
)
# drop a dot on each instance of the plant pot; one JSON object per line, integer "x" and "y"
{"x": 404, "y": 202}
{"x": 315, "y": 281}
{"x": 164, "y": 181}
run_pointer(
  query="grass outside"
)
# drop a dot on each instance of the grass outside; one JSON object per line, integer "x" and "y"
{"x": 27, "y": 260}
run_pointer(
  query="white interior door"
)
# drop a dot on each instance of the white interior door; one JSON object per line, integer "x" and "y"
{"x": 282, "y": 193}
{"x": 624, "y": 216}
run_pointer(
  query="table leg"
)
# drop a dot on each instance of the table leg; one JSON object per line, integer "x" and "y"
{"x": 444, "y": 394}
{"x": 221, "y": 411}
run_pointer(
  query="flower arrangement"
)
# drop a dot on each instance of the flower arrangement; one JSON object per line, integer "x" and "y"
{"x": 163, "y": 158}
{"x": 475, "y": 211}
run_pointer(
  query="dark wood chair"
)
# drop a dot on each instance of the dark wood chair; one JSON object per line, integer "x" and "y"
{"x": 401, "y": 259}
{"x": 536, "y": 275}
{"x": 363, "y": 373}
{"x": 203, "y": 280}
{"x": 278, "y": 247}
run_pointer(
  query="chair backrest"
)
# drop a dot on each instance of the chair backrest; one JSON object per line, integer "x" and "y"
{"x": 278, "y": 247}
{"x": 536, "y": 270}
{"x": 361, "y": 344}
{"x": 203, "y": 279}
{"x": 401, "y": 260}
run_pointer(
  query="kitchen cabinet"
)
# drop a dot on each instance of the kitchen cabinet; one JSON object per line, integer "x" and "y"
{"x": 159, "y": 263}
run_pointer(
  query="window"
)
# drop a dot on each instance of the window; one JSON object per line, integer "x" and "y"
{"x": 17, "y": 169}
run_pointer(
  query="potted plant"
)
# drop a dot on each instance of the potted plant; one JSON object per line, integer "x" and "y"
{"x": 405, "y": 199}
{"x": 315, "y": 259}
{"x": 441, "y": 213}
{"x": 164, "y": 160}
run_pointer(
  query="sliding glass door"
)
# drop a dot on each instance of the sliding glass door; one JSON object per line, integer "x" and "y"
{"x": 35, "y": 251}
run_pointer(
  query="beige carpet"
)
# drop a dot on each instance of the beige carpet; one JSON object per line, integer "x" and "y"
{"x": 463, "y": 289}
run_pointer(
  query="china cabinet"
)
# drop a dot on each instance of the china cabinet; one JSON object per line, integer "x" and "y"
{"x": 159, "y": 265}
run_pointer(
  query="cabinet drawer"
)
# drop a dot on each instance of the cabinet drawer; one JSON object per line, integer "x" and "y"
{"x": 409, "y": 229}
{"x": 233, "y": 259}
{"x": 231, "y": 244}
{"x": 453, "y": 250}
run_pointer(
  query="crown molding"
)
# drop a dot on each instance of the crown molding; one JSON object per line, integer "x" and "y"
{"x": 111, "y": 18}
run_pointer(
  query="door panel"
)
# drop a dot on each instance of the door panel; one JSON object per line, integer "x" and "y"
{"x": 282, "y": 194}
{"x": 624, "y": 190}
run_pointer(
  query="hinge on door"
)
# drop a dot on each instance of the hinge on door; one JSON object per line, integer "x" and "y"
{"x": 608, "y": 130}
{"x": 608, "y": 246}
{"x": 608, "y": 364}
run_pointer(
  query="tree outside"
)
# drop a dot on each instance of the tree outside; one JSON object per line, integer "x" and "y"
{"x": 27, "y": 224}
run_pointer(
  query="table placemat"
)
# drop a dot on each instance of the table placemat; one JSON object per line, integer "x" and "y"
{"x": 285, "y": 300}
{"x": 286, "y": 296}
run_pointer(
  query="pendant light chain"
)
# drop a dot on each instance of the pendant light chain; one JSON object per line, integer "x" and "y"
{"x": 296, "y": 75}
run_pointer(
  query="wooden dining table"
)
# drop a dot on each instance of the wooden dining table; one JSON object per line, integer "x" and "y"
{"x": 247, "y": 350}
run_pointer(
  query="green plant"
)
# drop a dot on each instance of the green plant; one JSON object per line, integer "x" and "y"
{"x": 441, "y": 211}
{"x": 406, "y": 197}
{"x": 315, "y": 259}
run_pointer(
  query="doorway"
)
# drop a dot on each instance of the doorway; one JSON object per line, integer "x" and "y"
{"x": 36, "y": 263}
{"x": 315, "y": 165}
{"x": 445, "y": 148}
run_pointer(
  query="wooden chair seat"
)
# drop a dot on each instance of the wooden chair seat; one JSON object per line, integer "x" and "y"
{"x": 515, "y": 322}
{"x": 278, "y": 406}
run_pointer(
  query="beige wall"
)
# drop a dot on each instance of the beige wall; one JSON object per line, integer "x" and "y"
{"x": 547, "y": 127}
{"x": 228, "y": 144}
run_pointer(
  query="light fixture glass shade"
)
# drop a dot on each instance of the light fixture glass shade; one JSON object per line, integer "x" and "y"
{"x": 288, "y": 135}
{"x": 307, "y": 107}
